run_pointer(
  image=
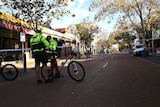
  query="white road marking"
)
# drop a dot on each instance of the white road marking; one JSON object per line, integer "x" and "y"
{"x": 105, "y": 65}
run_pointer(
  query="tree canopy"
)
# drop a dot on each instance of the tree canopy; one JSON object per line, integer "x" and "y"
{"x": 38, "y": 12}
{"x": 142, "y": 15}
{"x": 87, "y": 31}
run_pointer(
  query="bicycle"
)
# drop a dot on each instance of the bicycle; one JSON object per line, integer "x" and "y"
{"x": 8, "y": 71}
{"x": 75, "y": 69}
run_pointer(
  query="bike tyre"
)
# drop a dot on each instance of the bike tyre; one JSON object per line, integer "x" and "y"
{"x": 73, "y": 75}
{"x": 51, "y": 75}
{"x": 14, "y": 71}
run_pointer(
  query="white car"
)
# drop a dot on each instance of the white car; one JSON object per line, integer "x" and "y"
{"x": 137, "y": 49}
{"x": 158, "y": 51}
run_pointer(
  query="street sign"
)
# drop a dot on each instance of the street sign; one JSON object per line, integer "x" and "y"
{"x": 22, "y": 37}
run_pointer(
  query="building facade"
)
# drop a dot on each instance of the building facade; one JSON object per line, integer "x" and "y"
{"x": 10, "y": 29}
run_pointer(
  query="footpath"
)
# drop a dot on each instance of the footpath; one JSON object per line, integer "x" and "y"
{"x": 30, "y": 63}
{"x": 153, "y": 58}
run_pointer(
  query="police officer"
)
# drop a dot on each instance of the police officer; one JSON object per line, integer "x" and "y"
{"x": 38, "y": 44}
{"x": 52, "y": 43}
{"x": 53, "y": 48}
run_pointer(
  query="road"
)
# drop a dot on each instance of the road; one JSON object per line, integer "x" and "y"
{"x": 113, "y": 80}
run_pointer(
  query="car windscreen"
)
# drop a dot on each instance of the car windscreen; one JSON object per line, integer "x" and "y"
{"x": 139, "y": 46}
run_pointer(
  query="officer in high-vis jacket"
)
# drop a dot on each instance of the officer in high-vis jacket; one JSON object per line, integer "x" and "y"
{"x": 38, "y": 45}
{"x": 53, "y": 48}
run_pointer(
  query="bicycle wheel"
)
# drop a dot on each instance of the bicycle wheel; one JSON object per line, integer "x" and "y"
{"x": 76, "y": 71}
{"x": 51, "y": 73}
{"x": 9, "y": 72}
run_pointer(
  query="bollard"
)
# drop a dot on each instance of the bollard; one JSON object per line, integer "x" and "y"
{"x": 24, "y": 63}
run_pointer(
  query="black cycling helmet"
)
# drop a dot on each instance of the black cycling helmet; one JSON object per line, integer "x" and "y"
{"x": 38, "y": 31}
{"x": 48, "y": 37}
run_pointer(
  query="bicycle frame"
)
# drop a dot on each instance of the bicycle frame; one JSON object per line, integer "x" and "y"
{"x": 75, "y": 70}
{"x": 68, "y": 57}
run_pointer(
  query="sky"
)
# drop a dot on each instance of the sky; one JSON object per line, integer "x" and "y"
{"x": 80, "y": 8}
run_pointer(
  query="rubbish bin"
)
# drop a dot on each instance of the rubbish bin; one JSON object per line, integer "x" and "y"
{"x": 143, "y": 53}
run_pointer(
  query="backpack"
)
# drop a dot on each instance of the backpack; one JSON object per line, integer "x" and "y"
{"x": 37, "y": 45}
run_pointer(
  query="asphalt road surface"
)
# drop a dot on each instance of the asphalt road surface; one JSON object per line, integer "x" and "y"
{"x": 113, "y": 80}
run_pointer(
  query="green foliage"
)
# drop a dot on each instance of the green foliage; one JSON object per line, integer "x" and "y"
{"x": 87, "y": 31}
{"x": 122, "y": 46}
{"x": 125, "y": 37}
{"x": 110, "y": 41}
{"x": 38, "y": 12}
{"x": 141, "y": 15}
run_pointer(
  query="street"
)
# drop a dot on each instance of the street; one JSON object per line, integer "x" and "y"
{"x": 112, "y": 80}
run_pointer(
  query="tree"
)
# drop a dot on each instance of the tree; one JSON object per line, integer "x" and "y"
{"x": 110, "y": 41}
{"x": 126, "y": 37}
{"x": 38, "y": 13}
{"x": 87, "y": 31}
{"x": 138, "y": 12}
{"x": 122, "y": 46}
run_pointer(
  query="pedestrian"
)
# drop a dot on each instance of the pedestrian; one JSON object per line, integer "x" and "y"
{"x": 78, "y": 51}
{"x": 74, "y": 48}
{"x": 60, "y": 42}
{"x": 38, "y": 44}
{"x": 88, "y": 52}
{"x": 102, "y": 50}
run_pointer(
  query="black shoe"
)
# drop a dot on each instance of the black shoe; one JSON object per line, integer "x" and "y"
{"x": 39, "y": 81}
{"x": 48, "y": 81}
{"x": 58, "y": 75}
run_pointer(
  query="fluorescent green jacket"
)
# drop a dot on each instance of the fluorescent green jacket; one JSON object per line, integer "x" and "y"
{"x": 53, "y": 44}
{"x": 38, "y": 43}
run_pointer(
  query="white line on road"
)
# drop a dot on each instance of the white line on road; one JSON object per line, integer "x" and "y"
{"x": 105, "y": 65}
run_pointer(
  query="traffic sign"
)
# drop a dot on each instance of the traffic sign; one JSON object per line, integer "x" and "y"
{"x": 22, "y": 37}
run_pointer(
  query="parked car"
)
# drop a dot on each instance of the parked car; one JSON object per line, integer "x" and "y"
{"x": 137, "y": 49}
{"x": 158, "y": 51}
